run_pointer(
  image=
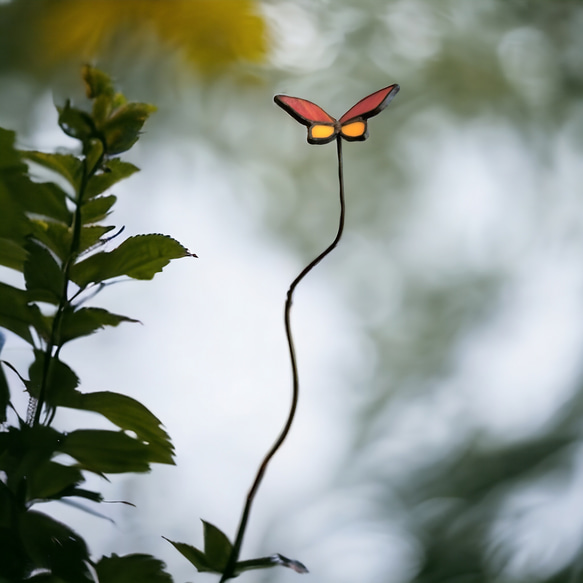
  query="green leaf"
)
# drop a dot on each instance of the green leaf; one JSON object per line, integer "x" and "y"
{"x": 8, "y": 506}
{"x": 217, "y": 546}
{"x": 140, "y": 257}
{"x": 98, "y": 86}
{"x": 41, "y": 323}
{"x": 67, "y": 165}
{"x": 91, "y": 236}
{"x": 96, "y": 82}
{"x": 122, "y": 128}
{"x": 75, "y": 122}
{"x": 114, "y": 171}
{"x": 195, "y": 556}
{"x": 11, "y": 254}
{"x": 128, "y": 414}
{"x": 14, "y": 223}
{"x": 53, "y": 545}
{"x": 15, "y": 314}
{"x": 61, "y": 381}
{"x": 88, "y": 495}
{"x": 130, "y": 568}
{"x": 54, "y": 235}
{"x": 44, "y": 198}
{"x": 276, "y": 560}
{"x": 97, "y": 209}
{"x": 106, "y": 452}
{"x": 93, "y": 152}
{"x": 50, "y": 479}
{"x": 86, "y": 321}
{"x": 14, "y": 563}
{"x": 24, "y": 449}
{"x": 44, "y": 277}
{"x": 9, "y": 156}
{"x": 20, "y": 199}
{"x": 217, "y": 550}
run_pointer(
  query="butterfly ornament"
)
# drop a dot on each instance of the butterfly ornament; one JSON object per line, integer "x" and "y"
{"x": 352, "y": 126}
{"x": 322, "y": 129}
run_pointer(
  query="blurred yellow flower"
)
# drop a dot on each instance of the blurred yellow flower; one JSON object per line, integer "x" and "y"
{"x": 208, "y": 33}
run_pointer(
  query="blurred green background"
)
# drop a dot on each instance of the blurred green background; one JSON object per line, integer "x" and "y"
{"x": 440, "y": 347}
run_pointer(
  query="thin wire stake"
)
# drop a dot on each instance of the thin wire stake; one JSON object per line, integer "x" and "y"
{"x": 234, "y": 557}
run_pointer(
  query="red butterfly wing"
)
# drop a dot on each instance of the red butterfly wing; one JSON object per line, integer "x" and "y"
{"x": 371, "y": 105}
{"x": 302, "y": 110}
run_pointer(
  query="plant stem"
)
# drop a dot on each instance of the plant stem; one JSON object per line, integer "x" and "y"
{"x": 230, "y": 568}
{"x": 64, "y": 301}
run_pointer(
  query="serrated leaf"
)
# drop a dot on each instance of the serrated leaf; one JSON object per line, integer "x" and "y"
{"x": 102, "y": 108}
{"x": 44, "y": 277}
{"x": 50, "y": 479}
{"x": 129, "y": 568}
{"x": 217, "y": 546}
{"x": 76, "y": 122}
{"x": 67, "y": 165}
{"x": 15, "y": 313}
{"x": 93, "y": 152}
{"x": 107, "y": 452}
{"x": 86, "y": 321}
{"x": 12, "y": 254}
{"x": 41, "y": 323}
{"x": 128, "y": 414}
{"x": 119, "y": 99}
{"x": 122, "y": 127}
{"x": 14, "y": 222}
{"x": 96, "y": 82}
{"x": 54, "y": 235}
{"x": 97, "y": 209}
{"x": 88, "y": 495}
{"x": 20, "y": 196}
{"x": 194, "y": 556}
{"x": 140, "y": 257}
{"x": 91, "y": 236}
{"x": 98, "y": 86}
{"x": 45, "y": 199}
{"x": 61, "y": 380}
{"x": 276, "y": 560}
{"x": 21, "y": 199}
{"x": 54, "y": 546}
{"x": 114, "y": 171}
{"x": 23, "y": 450}
{"x": 9, "y": 156}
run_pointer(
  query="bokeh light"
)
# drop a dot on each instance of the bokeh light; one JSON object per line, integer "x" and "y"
{"x": 438, "y": 435}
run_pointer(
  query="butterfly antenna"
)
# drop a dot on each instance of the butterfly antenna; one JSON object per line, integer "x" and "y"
{"x": 232, "y": 562}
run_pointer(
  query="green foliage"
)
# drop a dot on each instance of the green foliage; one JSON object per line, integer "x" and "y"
{"x": 218, "y": 550}
{"x": 52, "y": 234}
{"x": 140, "y": 257}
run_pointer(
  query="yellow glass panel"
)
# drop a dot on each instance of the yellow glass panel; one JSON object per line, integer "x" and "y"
{"x": 321, "y": 131}
{"x": 353, "y": 130}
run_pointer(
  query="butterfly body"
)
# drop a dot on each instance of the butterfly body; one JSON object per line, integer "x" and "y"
{"x": 352, "y": 126}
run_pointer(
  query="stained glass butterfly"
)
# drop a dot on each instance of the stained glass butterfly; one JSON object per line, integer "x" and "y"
{"x": 352, "y": 126}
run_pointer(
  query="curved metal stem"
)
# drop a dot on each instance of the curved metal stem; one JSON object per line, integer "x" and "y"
{"x": 230, "y": 568}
